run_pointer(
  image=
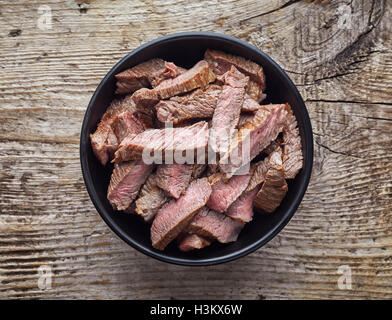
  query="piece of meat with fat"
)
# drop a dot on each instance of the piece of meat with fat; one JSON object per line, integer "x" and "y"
{"x": 188, "y": 242}
{"x": 174, "y": 178}
{"x": 161, "y": 142}
{"x": 274, "y": 187}
{"x": 104, "y": 141}
{"x": 198, "y": 104}
{"x": 220, "y": 62}
{"x": 174, "y": 216}
{"x": 227, "y": 111}
{"x": 151, "y": 72}
{"x": 214, "y": 225}
{"x": 224, "y": 193}
{"x": 125, "y": 183}
{"x": 292, "y": 147}
{"x": 242, "y": 208}
{"x": 253, "y": 137}
{"x": 150, "y": 199}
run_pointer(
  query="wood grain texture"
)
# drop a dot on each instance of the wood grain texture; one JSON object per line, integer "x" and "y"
{"x": 339, "y": 55}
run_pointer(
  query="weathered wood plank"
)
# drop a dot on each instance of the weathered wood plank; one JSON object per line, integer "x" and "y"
{"x": 46, "y": 217}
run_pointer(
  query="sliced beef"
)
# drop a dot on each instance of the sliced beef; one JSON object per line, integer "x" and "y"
{"x": 125, "y": 182}
{"x": 198, "y": 76}
{"x": 125, "y": 124}
{"x": 213, "y": 225}
{"x": 175, "y": 215}
{"x": 162, "y": 141}
{"x": 274, "y": 187}
{"x": 221, "y": 62}
{"x": 259, "y": 169}
{"x": 188, "y": 242}
{"x": 198, "y": 104}
{"x": 242, "y": 208}
{"x": 224, "y": 193}
{"x": 198, "y": 170}
{"x": 244, "y": 118}
{"x": 104, "y": 141}
{"x": 151, "y": 198}
{"x": 255, "y": 91}
{"x": 258, "y": 174}
{"x": 253, "y": 137}
{"x": 151, "y": 72}
{"x": 144, "y": 100}
{"x": 228, "y": 109}
{"x": 250, "y": 104}
{"x": 292, "y": 147}
{"x": 174, "y": 178}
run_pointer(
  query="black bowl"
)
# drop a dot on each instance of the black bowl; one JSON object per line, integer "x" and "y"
{"x": 185, "y": 49}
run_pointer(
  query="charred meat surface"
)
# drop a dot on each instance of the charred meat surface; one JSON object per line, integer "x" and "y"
{"x": 175, "y": 215}
{"x": 125, "y": 182}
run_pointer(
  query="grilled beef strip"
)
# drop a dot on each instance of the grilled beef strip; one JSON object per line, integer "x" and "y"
{"x": 174, "y": 216}
{"x": 174, "y": 140}
{"x": 150, "y": 200}
{"x": 274, "y": 187}
{"x": 125, "y": 182}
{"x": 228, "y": 109}
{"x": 188, "y": 242}
{"x": 174, "y": 178}
{"x": 260, "y": 131}
{"x": 104, "y": 141}
{"x": 221, "y": 62}
{"x": 224, "y": 193}
{"x": 292, "y": 147}
{"x": 214, "y": 225}
{"x": 151, "y": 72}
{"x": 242, "y": 208}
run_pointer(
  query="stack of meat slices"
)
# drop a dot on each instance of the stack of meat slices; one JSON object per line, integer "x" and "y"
{"x": 213, "y": 108}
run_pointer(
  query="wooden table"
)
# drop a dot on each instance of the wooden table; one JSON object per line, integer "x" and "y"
{"x": 54, "y": 53}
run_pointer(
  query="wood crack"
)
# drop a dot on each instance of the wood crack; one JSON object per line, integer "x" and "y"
{"x": 289, "y": 3}
{"x": 337, "y": 152}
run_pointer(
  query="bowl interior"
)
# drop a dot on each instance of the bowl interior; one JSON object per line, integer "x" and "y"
{"x": 185, "y": 50}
